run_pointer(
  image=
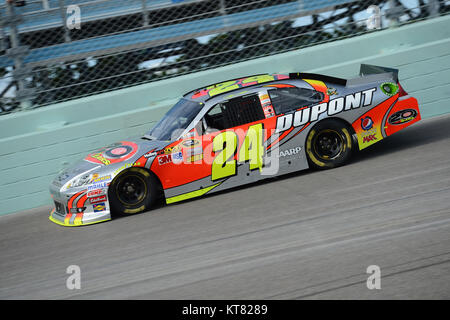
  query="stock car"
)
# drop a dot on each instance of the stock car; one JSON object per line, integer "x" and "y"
{"x": 234, "y": 133}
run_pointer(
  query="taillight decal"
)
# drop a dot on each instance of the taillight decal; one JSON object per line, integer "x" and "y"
{"x": 401, "y": 91}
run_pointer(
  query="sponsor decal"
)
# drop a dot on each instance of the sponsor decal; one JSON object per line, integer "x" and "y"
{"x": 125, "y": 166}
{"x": 266, "y": 105}
{"x": 97, "y": 199}
{"x": 196, "y": 157}
{"x": 265, "y": 100}
{"x": 114, "y": 153}
{"x": 226, "y": 86}
{"x": 366, "y": 123}
{"x": 333, "y": 107}
{"x": 190, "y": 143}
{"x": 118, "y": 152}
{"x": 194, "y": 151}
{"x": 101, "y": 179}
{"x": 96, "y": 192}
{"x": 331, "y": 91}
{"x": 402, "y": 116}
{"x": 369, "y": 135}
{"x": 99, "y": 207}
{"x": 289, "y": 152}
{"x": 101, "y": 158}
{"x": 165, "y": 159}
{"x": 150, "y": 154}
{"x": 173, "y": 149}
{"x": 176, "y": 157}
{"x": 370, "y": 132}
{"x": 99, "y": 185}
{"x": 389, "y": 88}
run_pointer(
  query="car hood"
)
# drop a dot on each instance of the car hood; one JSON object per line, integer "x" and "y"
{"x": 110, "y": 158}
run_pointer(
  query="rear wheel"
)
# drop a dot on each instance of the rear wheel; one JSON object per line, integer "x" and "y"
{"x": 329, "y": 144}
{"x": 133, "y": 191}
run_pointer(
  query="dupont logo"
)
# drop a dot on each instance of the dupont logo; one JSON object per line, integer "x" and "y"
{"x": 97, "y": 199}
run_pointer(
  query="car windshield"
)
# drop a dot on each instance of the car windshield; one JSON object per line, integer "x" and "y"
{"x": 174, "y": 122}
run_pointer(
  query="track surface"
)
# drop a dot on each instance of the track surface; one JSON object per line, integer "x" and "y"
{"x": 308, "y": 236}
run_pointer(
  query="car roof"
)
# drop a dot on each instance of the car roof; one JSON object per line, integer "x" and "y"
{"x": 203, "y": 94}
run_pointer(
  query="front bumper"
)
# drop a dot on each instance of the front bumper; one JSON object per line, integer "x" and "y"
{"x": 74, "y": 220}
{"x": 74, "y": 208}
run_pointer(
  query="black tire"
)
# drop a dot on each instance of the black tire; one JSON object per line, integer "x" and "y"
{"x": 329, "y": 144}
{"x": 132, "y": 191}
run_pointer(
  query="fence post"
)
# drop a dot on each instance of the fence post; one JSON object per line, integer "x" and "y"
{"x": 145, "y": 13}
{"x": 62, "y": 9}
{"x": 45, "y": 5}
{"x": 17, "y": 52}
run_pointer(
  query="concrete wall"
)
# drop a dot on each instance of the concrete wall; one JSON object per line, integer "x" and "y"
{"x": 35, "y": 145}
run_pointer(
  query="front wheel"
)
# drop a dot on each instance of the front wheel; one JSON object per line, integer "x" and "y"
{"x": 132, "y": 191}
{"x": 329, "y": 144}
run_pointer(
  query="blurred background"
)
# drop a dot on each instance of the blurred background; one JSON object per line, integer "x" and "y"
{"x": 58, "y": 50}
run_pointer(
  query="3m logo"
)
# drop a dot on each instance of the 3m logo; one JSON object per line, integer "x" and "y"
{"x": 164, "y": 159}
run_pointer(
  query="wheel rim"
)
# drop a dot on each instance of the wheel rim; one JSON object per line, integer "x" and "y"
{"x": 328, "y": 144}
{"x": 131, "y": 190}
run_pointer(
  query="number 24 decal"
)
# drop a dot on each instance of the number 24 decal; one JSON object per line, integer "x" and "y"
{"x": 225, "y": 145}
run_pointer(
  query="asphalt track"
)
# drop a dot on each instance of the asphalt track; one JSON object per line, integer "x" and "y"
{"x": 311, "y": 235}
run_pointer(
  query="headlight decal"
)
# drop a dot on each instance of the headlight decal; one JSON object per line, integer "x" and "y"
{"x": 82, "y": 179}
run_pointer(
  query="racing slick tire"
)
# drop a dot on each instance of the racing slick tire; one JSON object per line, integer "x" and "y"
{"x": 132, "y": 191}
{"x": 329, "y": 144}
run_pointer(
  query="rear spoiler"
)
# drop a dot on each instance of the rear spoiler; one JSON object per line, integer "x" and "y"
{"x": 368, "y": 73}
{"x": 320, "y": 77}
{"x": 369, "y": 69}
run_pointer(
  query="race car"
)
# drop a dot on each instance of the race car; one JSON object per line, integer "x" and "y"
{"x": 234, "y": 133}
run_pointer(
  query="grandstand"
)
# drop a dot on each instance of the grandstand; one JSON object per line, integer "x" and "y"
{"x": 124, "y": 43}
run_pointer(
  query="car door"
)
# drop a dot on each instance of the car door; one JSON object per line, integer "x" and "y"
{"x": 226, "y": 148}
{"x": 285, "y": 101}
